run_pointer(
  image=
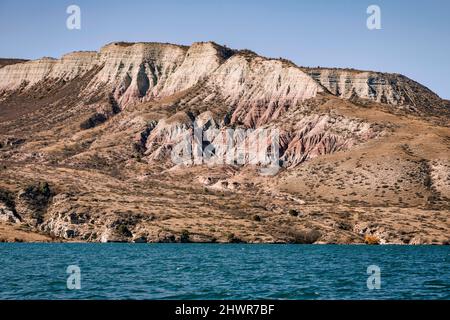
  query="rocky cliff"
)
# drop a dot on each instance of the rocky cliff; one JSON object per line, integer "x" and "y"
{"x": 136, "y": 72}
{"x": 387, "y": 88}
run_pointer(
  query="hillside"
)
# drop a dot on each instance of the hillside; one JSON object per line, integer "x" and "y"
{"x": 87, "y": 145}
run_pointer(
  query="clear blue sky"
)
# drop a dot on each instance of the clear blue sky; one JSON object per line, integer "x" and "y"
{"x": 414, "y": 40}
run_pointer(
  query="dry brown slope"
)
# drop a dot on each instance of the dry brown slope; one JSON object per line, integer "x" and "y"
{"x": 391, "y": 182}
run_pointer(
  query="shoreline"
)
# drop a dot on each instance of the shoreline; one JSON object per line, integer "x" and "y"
{"x": 228, "y": 243}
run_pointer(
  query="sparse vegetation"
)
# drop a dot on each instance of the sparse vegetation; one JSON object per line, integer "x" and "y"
{"x": 351, "y": 166}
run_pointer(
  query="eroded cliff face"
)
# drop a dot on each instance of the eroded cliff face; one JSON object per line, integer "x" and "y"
{"x": 200, "y": 61}
{"x": 387, "y": 88}
{"x": 259, "y": 88}
{"x": 137, "y": 72}
{"x": 25, "y": 75}
{"x": 209, "y": 140}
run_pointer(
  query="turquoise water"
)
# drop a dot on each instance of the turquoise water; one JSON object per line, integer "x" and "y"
{"x": 212, "y": 271}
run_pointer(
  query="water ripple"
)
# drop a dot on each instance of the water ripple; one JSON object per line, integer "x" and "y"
{"x": 203, "y": 271}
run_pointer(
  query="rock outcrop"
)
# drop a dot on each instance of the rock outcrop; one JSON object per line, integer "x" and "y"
{"x": 31, "y": 203}
{"x": 314, "y": 135}
{"x": 7, "y": 214}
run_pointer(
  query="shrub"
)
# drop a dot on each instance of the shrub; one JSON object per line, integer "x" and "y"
{"x": 44, "y": 188}
{"x": 428, "y": 182}
{"x": 40, "y": 190}
{"x": 303, "y": 236}
{"x": 230, "y": 236}
{"x": 233, "y": 239}
{"x": 93, "y": 121}
{"x": 184, "y": 236}
{"x": 7, "y": 198}
{"x": 369, "y": 239}
{"x": 293, "y": 212}
{"x": 256, "y": 218}
{"x": 124, "y": 231}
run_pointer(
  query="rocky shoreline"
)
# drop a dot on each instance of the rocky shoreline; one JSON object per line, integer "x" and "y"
{"x": 36, "y": 213}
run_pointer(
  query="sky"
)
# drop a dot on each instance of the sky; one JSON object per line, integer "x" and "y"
{"x": 414, "y": 38}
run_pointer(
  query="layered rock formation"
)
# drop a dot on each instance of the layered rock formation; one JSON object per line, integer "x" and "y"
{"x": 312, "y": 136}
{"x": 6, "y": 62}
{"x": 25, "y": 75}
{"x": 388, "y": 88}
{"x": 143, "y": 71}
